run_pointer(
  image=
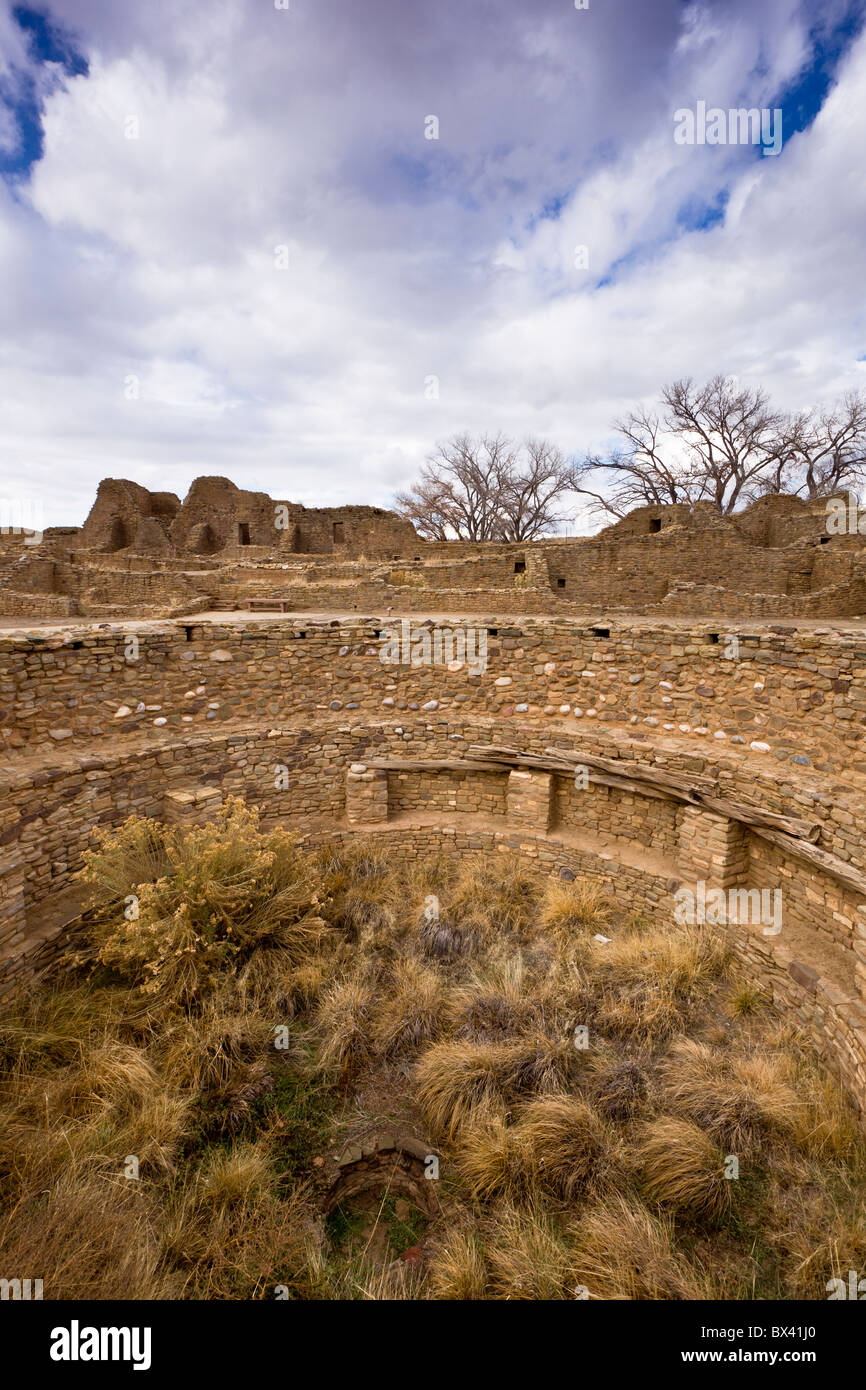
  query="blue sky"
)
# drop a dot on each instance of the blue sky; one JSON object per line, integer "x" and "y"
{"x": 228, "y": 247}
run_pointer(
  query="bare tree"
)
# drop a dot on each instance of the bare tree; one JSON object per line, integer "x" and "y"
{"x": 720, "y": 442}
{"x": 640, "y": 471}
{"x": 531, "y": 490}
{"x": 487, "y": 489}
{"x": 731, "y": 435}
{"x": 825, "y": 450}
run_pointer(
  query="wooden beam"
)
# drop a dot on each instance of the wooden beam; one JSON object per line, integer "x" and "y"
{"x": 634, "y": 776}
{"x": 799, "y": 829}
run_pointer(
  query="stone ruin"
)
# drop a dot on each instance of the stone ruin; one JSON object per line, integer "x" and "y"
{"x": 147, "y": 554}
{"x": 707, "y": 673}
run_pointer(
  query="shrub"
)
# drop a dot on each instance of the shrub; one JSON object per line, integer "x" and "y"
{"x": 738, "y": 1099}
{"x": 228, "y": 892}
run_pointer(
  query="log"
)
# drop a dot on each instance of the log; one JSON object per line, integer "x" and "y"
{"x": 634, "y": 776}
{"x": 749, "y": 815}
{"x": 604, "y": 779}
{"x": 647, "y": 772}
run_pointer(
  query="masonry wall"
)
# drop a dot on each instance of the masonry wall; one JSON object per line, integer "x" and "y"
{"x": 299, "y": 775}
{"x": 793, "y": 696}
{"x": 608, "y": 810}
{"x": 472, "y": 793}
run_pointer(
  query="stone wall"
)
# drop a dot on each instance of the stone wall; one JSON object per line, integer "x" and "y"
{"x": 794, "y": 696}
{"x": 299, "y": 776}
{"x": 775, "y": 559}
{"x": 303, "y": 719}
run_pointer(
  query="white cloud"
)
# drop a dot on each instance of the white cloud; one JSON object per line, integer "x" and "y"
{"x": 154, "y": 257}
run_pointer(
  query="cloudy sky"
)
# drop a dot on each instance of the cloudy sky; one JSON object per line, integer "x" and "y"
{"x": 227, "y": 244}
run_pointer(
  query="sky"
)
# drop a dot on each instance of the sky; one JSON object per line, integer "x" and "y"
{"x": 229, "y": 244}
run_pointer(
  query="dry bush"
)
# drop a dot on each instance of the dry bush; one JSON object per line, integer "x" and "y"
{"x": 493, "y": 897}
{"x": 492, "y": 1159}
{"x": 344, "y": 1024}
{"x": 230, "y": 890}
{"x": 569, "y": 909}
{"x": 682, "y": 1169}
{"x": 494, "y": 1002}
{"x": 556, "y": 1144}
{"x": 89, "y": 1115}
{"x": 624, "y": 1252}
{"x": 442, "y": 940}
{"x": 135, "y": 853}
{"x": 619, "y": 1088}
{"x": 214, "y": 1049}
{"x": 454, "y": 1078}
{"x": 240, "y": 1174}
{"x": 88, "y": 1238}
{"x": 650, "y": 983}
{"x": 747, "y": 1000}
{"x": 685, "y": 961}
{"x": 230, "y": 1235}
{"x": 737, "y": 1099}
{"x": 645, "y": 1011}
{"x": 567, "y": 1146}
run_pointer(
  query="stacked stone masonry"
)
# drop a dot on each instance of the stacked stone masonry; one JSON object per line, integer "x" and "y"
{"x": 725, "y": 652}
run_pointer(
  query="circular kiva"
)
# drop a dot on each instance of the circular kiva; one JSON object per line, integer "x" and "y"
{"x": 647, "y": 753}
{"x": 397, "y": 1163}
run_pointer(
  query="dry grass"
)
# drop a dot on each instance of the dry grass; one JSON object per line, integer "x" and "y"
{"x": 561, "y": 1167}
{"x": 526, "y": 1254}
{"x": 569, "y": 909}
{"x": 493, "y": 897}
{"x": 89, "y": 1238}
{"x": 557, "y": 1144}
{"x": 739, "y": 1099}
{"x": 622, "y": 1251}
{"x": 411, "y": 1012}
{"x": 683, "y": 1169}
{"x": 345, "y": 1024}
{"x": 619, "y": 1087}
{"x": 495, "y": 1002}
{"x": 456, "y": 1268}
{"x": 569, "y": 1148}
{"x": 455, "y": 1078}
